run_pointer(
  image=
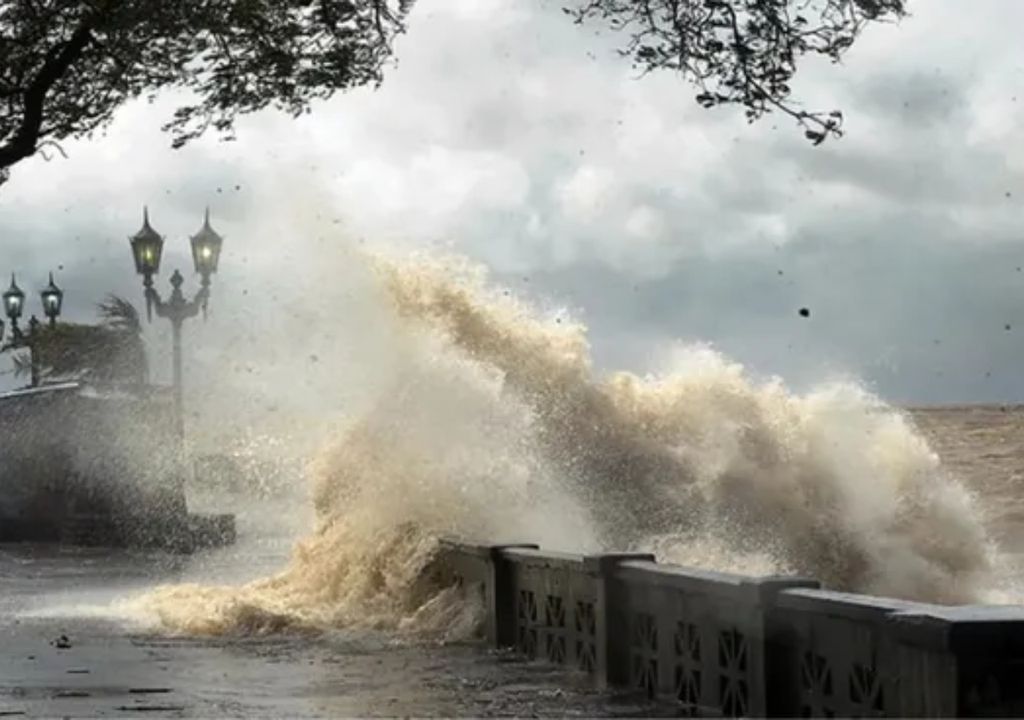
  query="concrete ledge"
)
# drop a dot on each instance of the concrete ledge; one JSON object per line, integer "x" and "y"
{"x": 720, "y": 644}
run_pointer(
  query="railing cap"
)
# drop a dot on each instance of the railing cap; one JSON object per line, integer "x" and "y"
{"x": 709, "y": 582}
{"x": 481, "y": 550}
{"x": 531, "y": 553}
{"x": 605, "y": 562}
{"x": 830, "y": 602}
{"x": 988, "y": 629}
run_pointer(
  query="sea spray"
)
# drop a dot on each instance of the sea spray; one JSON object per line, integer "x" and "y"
{"x": 835, "y": 483}
{"x": 490, "y": 424}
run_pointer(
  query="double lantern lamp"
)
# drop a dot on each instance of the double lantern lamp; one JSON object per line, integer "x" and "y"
{"x": 148, "y": 247}
{"x": 14, "y": 304}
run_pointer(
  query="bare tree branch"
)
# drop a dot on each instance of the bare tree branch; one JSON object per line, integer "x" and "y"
{"x": 59, "y": 59}
{"x": 742, "y": 52}
{"x": 67, "y": 65}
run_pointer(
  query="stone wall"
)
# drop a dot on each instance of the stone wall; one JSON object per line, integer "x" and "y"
{"x": 717, "y": 644}
{"x": 71, "y": 450}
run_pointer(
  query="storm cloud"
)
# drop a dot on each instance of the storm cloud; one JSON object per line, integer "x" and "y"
{"x": 513, "y": 136}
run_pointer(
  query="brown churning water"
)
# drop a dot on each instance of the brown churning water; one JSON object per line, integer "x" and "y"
{"x": 488, "y": 422}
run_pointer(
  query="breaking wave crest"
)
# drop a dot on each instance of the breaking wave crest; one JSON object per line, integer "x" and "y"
{"x": 494, "y": 427}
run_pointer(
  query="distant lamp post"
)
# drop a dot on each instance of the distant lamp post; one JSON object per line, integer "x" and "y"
{"x": 206, "y": 245}
{"x": 147, "y": 249}
{"x": 14, "y": 304}
{"x": 53, "y": 298}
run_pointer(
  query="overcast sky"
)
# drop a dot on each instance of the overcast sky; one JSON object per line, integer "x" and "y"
{"x": 521, "y": 140}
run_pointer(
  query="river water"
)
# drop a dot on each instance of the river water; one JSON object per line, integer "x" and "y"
{"x": 984, "y": 446}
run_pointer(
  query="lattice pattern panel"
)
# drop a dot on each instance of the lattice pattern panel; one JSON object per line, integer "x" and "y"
{"x": 866, "y": 696}
{"x": 644, "y": 654}
{"x": 688, "y": 670}
{"x": 526, "y": 623}
{"x": 816, "y": 687}
{"x": 586, "y": 636}
{"x": 983, "y": 695}
{"x": 733, "y": 673}
{"x": 554, "y": 629}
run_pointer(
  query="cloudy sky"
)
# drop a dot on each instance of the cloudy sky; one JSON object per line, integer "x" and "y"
{"x": 511, "y": 135}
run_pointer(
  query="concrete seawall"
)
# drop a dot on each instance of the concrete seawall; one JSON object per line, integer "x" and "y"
{"x": 718, "y": 644}
{"x": 86, "y": 465}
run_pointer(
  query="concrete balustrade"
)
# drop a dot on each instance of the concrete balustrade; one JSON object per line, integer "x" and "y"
{"x": 695, "y": 637}
{"x": 835, "y": 655}
{"x": 719, "y": 644}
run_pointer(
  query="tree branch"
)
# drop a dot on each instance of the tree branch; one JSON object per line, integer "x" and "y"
{"x": 59, "y": 60}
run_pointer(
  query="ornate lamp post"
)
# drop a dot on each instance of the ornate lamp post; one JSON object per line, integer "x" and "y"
{"x": 53, "y": 299}
{"x": 147, "y": 249}
{"x": 14, "y": 303}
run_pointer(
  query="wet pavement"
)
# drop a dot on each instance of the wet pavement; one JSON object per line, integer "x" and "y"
{"x": 111, "y": 665}
{"x": 107, "y": 673}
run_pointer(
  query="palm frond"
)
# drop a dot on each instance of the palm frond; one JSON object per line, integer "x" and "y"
{"x": 119, "y": 314}
{"x": 22, "y": 364}
{"x": 111, "y": 351}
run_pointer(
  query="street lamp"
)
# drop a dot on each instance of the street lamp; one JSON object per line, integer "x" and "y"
{"x": 14, "y": 304}
{"x": 206, "y": 245}
{"x": 147, "y": 249}
{"x": 53, "y": 298}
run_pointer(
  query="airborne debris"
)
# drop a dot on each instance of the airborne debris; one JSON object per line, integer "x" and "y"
{"x": 805, "y": 312}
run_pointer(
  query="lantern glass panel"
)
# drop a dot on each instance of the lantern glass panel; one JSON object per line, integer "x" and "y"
{"x": 147, "y": 252}
{"x": 53, "y": 298}
{"x": 14, "y": 301}
{"x": 206, "y": 254}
